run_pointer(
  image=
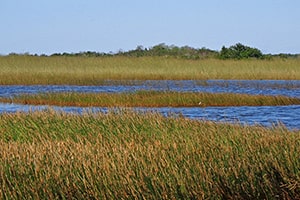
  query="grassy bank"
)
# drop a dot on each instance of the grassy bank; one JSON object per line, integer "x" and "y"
{"x": 94, "y": 70}
{"x": 128, "y": 155}
{"x": 151, "y": 99}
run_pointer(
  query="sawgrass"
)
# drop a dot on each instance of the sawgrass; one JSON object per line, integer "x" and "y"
{"x": 151, "y": 99}
{"x": 128, "y": 155}
{"x": 94, "y": 70}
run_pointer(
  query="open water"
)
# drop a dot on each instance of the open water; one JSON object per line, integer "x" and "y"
{"x": 263, "y": 115}
{"x": 266, "y": 87}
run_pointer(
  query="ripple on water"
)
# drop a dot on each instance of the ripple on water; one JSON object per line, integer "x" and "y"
{"x": 266, "y": 87}
{"x": 263, "y": 115}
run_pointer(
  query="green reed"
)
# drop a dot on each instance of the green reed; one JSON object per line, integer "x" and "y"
{"x": 151, "y": 99}
{"x": 94, "y": 70}
{"x": 129, "y": 155}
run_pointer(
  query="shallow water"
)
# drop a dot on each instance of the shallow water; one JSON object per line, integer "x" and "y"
{"x": 264, "y": 115}
{"x": 265, "y": 87}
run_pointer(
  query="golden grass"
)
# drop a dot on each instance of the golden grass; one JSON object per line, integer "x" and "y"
{"x": 128, "y": 155}
{"x": 94, "y": 70}
{"x": 151, "y": 99}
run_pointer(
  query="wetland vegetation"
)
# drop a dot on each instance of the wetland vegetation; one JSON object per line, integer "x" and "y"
{"x": 33, "y": 70}
{"x": 151, "y": 99}
{"x": 124, "y": 154}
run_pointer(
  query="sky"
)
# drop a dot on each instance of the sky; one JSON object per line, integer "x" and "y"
{"x": 57, "y": 26}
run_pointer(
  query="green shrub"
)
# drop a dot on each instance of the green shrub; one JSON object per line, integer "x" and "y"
{"x": 240, "y": 51}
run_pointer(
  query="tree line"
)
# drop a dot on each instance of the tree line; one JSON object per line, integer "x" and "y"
{"x": 237, "y": 51}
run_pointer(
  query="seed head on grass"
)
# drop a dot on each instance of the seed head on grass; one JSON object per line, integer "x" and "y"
{"x": 127, "y": 154}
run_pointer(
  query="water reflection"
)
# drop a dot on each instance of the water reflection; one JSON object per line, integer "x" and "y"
{"x": 266, "y": 87}
{"x": 263, "y": 115}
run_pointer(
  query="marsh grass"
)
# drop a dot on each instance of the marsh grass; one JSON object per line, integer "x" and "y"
{"x": 124, "y": 154}
{"x": 151, "y": 99}
{"x": 94, "y": 70}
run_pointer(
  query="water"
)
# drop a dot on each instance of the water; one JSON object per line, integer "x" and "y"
{"x": 265, "y": 87}
{"x": 263, "y": 115}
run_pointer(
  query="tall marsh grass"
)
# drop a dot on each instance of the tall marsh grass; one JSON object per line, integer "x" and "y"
{"x": 128, "y": 155}
{"x": 151, "y": 99}
{"x": 93, "y": 70}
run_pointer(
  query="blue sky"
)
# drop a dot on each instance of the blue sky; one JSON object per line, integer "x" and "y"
{"x": 53, "y": 26}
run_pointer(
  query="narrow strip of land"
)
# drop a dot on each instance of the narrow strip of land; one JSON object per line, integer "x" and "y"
{"x": 151, "y": 99}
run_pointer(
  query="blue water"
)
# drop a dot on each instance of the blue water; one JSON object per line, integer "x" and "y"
{"x": 265, "y": 87}
{"x": 251, "y": 115}
{"x": 263, "y": 115}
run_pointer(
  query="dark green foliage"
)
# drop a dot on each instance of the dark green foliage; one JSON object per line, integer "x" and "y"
{"x": 84, "y": 54}
{"x": 171, "y": 51}
{"x": 157, "y": 50}
{"x": 286, "y": 55}
{"x": 237, "y": 51}
{"x": 240, "y": 51}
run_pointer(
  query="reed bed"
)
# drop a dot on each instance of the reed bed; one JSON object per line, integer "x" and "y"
{"x": 151, "y": 99}
{"x": 28, "y": 70}
{"x": 128, "y": 155}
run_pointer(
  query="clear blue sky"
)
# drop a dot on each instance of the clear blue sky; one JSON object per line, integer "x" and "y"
{"x": 53, "y": 26}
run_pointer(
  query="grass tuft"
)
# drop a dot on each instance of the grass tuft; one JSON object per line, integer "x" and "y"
{"x": 126, "y": 154}
{"x": 152, "y": 99}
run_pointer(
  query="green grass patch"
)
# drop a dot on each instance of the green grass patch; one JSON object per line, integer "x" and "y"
{"x": 129, "y": 155}
{"x": 28, "y": 70}
{"x": 151, "y": 99}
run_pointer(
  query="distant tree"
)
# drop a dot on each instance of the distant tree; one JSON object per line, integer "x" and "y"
{"x": 140, "y": 51}
{"x": 240, "y": 51}
{"x": 160, "y": 50}
{"x": 225, "y": 53}
{"x": 140, "y": 48}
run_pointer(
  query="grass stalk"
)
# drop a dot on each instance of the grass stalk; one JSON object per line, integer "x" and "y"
{"x": 124, "y": 154}
{"x": 151, "y": 99}
{"x": 30, "y": 70}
